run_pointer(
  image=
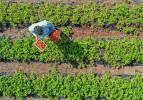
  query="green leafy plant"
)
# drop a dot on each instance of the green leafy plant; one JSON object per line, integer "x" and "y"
{"x": 67, "y": 31}
{"x": 117, "y": 53}
{"x": 55, "y": 85}
{"x": 118, "y": 15}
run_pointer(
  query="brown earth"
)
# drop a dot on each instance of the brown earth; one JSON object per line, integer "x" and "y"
{"x": 43, "y": 68}
{"x": 79, "y": 32}
{"x": 15, "y": 33}
{"x": 82, "y": 32}
{"x": 141, "y": 35}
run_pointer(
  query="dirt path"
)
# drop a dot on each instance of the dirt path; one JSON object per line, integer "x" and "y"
{"x": 79, "y": 32}
{"x": 82, "y": 32}
{"x": 42, "y": 68}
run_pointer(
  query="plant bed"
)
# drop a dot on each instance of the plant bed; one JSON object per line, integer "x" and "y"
{"x": 121, "y": 17}
{"x": 55, "y": 85}
{"x": 115, "y": 52}
{"x": 109, "y": 2}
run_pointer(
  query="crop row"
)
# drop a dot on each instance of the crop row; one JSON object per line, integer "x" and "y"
{"x": 123, "y": 17}
{"x": 118, "y": 52}
{"x": 55, "y": 85}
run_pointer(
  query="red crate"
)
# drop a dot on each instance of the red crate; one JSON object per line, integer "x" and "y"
{"x": 40, "y": 45}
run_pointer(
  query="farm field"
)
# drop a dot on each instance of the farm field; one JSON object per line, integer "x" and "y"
{"x": 100, "y": 55}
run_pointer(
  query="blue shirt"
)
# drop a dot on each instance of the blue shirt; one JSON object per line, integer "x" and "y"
{"x": 48, "y": 28}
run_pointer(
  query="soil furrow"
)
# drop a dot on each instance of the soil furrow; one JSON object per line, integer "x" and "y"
{"x": 79, "y": 32}
{"x": 43, "y": 68}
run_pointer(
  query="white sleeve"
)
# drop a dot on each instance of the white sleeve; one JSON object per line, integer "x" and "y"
{"x": 31, "y": 29}
{"x": 42, "y": 23}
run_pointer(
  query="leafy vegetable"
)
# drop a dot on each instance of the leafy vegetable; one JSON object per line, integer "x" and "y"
{"x": 55, "y": 85}
{"x": 121, "y": 17}
{"x": 125, "y": 51}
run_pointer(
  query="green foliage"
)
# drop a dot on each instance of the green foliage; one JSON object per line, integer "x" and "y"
{"x": 119, "y": 88}
{"x": 18, "y": 85}
{"x": 2, "y": 16}
{"x": 20, "y": 14}
{"x": 129, "y": 30}
{"x": 6, "y": 44}
{"x": 58, "y": 14}
{"x": 119, "y": 15}
{"x": 67, "y": 31}
{"x": 2, "y": 11}
{"x": 55, "y": 85}
{"x": 125, "y": 51}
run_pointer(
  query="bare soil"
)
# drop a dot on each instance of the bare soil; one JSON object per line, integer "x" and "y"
{"x": 43, "y": 68}
{"x": 82, "y": 32}
{"x": 141, "y": 35}
{"x": 15, "y": 33}
{"x": 79, "y": 32}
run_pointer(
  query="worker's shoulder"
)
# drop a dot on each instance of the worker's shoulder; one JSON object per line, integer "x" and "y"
{"x": 31, "y": 27}
{"x": 44, "y": 22}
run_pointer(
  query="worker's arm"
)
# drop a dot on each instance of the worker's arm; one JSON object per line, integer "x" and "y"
{"x": 31, "y": 29}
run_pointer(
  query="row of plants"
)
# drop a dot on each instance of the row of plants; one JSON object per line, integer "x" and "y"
{"x": 122, "y": 17}
{"x": 117, "y": 52}
{"x": 87, "y": 86}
